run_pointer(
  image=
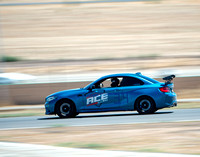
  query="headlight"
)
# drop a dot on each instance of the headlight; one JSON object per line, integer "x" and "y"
{"x": 50, "y": 98}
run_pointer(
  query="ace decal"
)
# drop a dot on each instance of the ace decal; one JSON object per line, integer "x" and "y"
{"x": 97, "y": 99}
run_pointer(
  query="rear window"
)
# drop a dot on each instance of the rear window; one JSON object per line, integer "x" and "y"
{"x": 148, "y": 79}
{"x": 130, "y": 81}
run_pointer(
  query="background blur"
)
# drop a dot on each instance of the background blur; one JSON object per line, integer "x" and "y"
{"x": 51, "y": 45}
{"x": 47, "y": 47}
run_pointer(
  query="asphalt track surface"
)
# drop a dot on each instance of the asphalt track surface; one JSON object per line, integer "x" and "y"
{"x": 108, "y": 118}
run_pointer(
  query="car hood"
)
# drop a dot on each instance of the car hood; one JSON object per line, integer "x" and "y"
{"x": 67, "y": 92}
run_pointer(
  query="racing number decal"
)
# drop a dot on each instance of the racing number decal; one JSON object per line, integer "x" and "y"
{"x": 97, "y": 99}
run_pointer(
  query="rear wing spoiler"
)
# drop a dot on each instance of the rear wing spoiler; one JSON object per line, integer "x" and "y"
{"x": 169, "y": 79}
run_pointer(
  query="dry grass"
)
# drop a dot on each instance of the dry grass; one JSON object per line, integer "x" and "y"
{"x": 22, "y": 113}
{"x": 162, "y": 137}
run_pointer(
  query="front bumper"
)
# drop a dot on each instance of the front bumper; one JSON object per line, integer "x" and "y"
{"x": 49, "y": 110}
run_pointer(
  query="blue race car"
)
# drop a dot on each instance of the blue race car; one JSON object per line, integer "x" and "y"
{"x": 116, "y": 92}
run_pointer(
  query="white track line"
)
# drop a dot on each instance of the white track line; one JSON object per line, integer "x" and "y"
{"x": 24, "y": 150}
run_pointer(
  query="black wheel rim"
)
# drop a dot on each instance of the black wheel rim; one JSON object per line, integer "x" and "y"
{"x": 65, "y": 109}
{"x": 144, "y": 105}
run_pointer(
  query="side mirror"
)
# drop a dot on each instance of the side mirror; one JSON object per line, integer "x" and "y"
{"x": 92, "y": 87}
{"x": 99, "y": 85}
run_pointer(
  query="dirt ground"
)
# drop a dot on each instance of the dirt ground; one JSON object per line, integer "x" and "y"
{"x": 101, "y": 30}
{"x": 182, "y": 137}
{"x": 105, "y": 65}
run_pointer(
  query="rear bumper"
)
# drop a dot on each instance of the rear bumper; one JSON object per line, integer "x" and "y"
{"x": 173, "y": 104}
{"x": 168, "y": 100}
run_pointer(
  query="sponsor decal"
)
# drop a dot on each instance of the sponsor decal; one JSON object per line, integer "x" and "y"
{"x": 97, "y": 99}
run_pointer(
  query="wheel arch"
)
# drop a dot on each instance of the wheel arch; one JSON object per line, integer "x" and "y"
{"x": 144, "y": 96}
{"x": 64, "y": 100}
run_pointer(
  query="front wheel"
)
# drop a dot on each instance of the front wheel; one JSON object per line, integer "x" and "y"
{"x": 145, "y": 105}
{"x": 65, "y": 110}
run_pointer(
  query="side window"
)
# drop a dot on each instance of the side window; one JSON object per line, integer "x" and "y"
{"x": 131, "y": 81}
{"x": 109, "y": 82}
{"x": 103, "y": 84}
{"x": 106, "y": 83}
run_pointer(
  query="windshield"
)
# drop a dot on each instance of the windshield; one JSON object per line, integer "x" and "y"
{"x": 86, "y": 87}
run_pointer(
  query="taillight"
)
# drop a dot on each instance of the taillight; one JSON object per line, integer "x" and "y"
{"x": 164, "y": 89}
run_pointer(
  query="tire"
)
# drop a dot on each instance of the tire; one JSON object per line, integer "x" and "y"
{"x": 74, "y": 115}
{"x": 145, "y": 105}
{"x": 66, "y": 109}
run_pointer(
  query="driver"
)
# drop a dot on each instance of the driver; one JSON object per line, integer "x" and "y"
{"x": 114, "y": 82}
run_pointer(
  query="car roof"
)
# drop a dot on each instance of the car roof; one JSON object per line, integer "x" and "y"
{"x": 122, "y": 75}
{"x": 137, "y": 75}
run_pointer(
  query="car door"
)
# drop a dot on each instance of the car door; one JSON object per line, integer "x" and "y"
{"x": 102, "y": 98}
{"x": 113, "y": 98}
{"x": 95, "y": 99}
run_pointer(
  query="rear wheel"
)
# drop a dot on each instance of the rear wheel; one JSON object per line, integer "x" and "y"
{"x": 145, "y": 105}
{"x": 65, "y": 110}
